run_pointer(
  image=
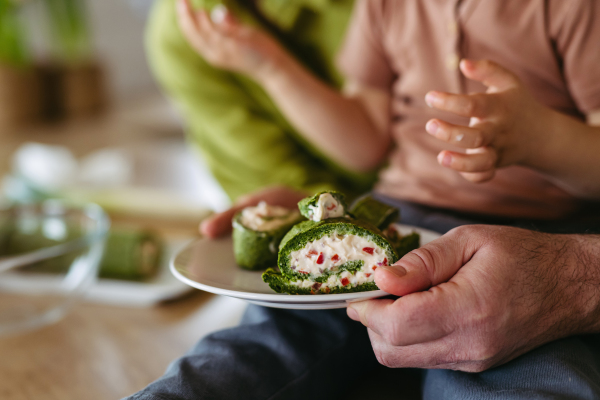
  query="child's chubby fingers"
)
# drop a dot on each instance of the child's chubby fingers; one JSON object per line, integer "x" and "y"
{"x": 459, "y": 135}
{"x": 489, "y": 73}
{"x": 477, "y": 105}
{"x": 188, "y": 23}
{"x": 225, "y": 21}
{"x": 481, "y": 161}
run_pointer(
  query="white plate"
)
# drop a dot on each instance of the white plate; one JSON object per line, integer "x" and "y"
{"x": 209, "y": 265}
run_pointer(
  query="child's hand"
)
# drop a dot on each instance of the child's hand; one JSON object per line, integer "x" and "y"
{"x": 505, "y": 126}
{"x": 225, "y": 43}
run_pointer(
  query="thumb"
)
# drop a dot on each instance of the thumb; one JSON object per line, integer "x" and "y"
{"x": 492, "y": 75}
{"x": 430, "y": 265}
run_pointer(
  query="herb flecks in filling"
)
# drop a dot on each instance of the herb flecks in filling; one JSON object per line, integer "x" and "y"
{"x": 337, "y": 260}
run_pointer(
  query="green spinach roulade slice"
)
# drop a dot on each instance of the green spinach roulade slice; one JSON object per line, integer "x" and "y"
{"x": 375, "y": 212}
{"x": 336, "y": 255}
{"x": 323, "y": 205}
{"x": 257, "y": 232}
{"x": 383, "y": 217}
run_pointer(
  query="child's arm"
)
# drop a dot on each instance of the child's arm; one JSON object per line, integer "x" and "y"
{"x": 509, "y": 127}
{"x": 352, "y": 130}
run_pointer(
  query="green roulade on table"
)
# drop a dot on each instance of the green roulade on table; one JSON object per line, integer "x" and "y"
{"x": 131, "y": 254}
{"x": 257, "y": 232}
{"x": 337, "y": 255}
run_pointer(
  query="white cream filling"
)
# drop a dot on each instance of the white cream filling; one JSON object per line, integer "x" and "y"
{"x": 327, "y": 207}
{"x": 265, "y": 217}
{"x": 330, "y": 252}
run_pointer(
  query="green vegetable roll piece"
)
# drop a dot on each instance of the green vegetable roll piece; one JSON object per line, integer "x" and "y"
{"x": 131, "y": 254}
{"x": 375, "y": 212}
{"x": 336, "y": 255}
{"x": 257, "y": 232}
{"x": 403, "y": 244}
{"x": 323, "y": 205}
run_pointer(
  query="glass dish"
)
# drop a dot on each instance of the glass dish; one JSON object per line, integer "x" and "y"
{"x": 49, "y": 257}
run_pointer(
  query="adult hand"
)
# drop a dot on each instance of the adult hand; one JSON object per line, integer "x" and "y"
{"x": 494, "y": 293}
{"x": 226, "y": 43}
{"x": 220, "y": 224}
{"x": 506, "y": 123}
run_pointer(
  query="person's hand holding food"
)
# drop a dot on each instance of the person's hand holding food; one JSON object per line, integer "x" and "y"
{"x": 225, "y": 42}
{"x": 480, "y": 296}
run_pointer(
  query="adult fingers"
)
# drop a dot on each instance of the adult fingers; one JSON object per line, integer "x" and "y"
{"x": 459, "y": 135}
{"x": 467, "y": 105}
{"x": 429, "y": 265}
{"x": 429, "y": 355}
{"x": 489, "y": 73}
{"x": 483, "y": 161}
{"x": 416, "y": 318}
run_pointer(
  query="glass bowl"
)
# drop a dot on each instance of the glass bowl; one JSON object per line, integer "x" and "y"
{"x": 49, "y": 257}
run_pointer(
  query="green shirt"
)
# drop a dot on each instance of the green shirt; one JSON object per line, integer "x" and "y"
{"x": 247, "y": 143}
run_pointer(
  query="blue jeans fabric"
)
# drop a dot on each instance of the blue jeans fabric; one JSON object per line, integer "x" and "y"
{"x": 289, "y": 354}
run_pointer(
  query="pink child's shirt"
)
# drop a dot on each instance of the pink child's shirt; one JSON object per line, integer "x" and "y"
{"x": 409, "y": 47}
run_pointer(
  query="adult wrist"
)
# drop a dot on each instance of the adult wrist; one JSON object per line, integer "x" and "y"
{"x": 586, "y": 280}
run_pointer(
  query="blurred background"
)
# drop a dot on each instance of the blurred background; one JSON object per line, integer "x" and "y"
{"x": 83, "y": 121}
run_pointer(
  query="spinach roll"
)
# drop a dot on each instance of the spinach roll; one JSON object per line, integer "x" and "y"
{"x": 383, "y": 217}
{"x": 257, "y": 232}
{"x": 337, "y": 255}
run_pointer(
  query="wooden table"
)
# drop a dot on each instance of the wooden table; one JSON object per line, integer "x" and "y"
{"x": 103, "y": 352}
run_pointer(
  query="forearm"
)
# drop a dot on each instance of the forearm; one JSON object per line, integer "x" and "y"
{"x": 568, "y": 154}
{"x": 585, "y": 282}
{"x": 338, "y": 126}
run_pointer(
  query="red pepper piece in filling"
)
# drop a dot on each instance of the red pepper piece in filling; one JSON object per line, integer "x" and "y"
{"x": 320, "y": 259}
{"x": 303, "y": 272}
{"x": 311, "y": 253}
{"x": 345, "y": 281}
{"x": 331, "y": 207}
{"x": 335, "y": 258}
{"x": 384, "y": 262}
{"x": 368, "y": 250}
{"x": 374, "y": 267}
{"x": 367, "y": 275}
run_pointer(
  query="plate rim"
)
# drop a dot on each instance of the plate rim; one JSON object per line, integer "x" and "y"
{"x": 278, "y": 297}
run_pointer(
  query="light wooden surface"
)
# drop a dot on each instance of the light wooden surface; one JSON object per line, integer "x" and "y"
{"x": 103, "y": 352}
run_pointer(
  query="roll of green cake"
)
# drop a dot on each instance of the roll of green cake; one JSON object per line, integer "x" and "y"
{"x": 257, "y": 232}
{"x": 375, "y": 212}
{"x": 383, "y": 217}
{"x": 338, "y": 255}
{"x": 131, "y": 255}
